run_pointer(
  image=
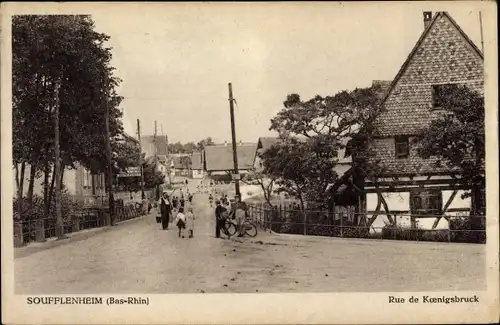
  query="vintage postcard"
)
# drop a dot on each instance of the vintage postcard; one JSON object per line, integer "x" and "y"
{"x": 249, "y": 163}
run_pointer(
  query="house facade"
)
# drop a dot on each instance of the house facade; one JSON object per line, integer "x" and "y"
{"x": 180, "y": 166}
{"x": 151, "y": 145}
{"x": 218, "y": 162}
{"x": 197, "y": 171}
{"x": 443, "y": 55}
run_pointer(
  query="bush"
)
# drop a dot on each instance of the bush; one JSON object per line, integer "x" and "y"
{"x": 402, "y": 232}
{"x": 468, "y": 230}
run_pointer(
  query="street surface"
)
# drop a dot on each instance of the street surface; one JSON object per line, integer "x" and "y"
{"x": 139, "y": 257}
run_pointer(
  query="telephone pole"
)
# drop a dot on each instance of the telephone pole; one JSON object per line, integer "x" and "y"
{"x": 236, "y": 176}
{"x": 57, "y": 164}
{"x": 140, "y": 158}
{"x": 481, "y": 29}
{"x": 157, "y": 190}
{"x": 111, "y": 200}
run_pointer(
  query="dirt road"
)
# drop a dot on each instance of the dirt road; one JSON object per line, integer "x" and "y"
{"x": 139, "y": 257}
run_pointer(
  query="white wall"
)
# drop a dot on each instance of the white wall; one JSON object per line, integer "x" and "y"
{"x": 401, "y": 201}
{"x": 197, "y": 173}
{"x": 68, "y": 179}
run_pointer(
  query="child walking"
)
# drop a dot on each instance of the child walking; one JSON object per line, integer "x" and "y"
{"x": 190, "y": 222}
{"x": 180, "y": 221}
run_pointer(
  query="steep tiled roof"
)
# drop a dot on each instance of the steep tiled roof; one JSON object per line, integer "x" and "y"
{"x": 196, "y": 162}
{"x": 220, "y": 157}
{"x": 442, "y": 55}
{"x": 437, "y": 16}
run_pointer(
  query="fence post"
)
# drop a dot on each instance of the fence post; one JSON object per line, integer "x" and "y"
{"x": 18, "y": 234}
{"x": 341, "y": 225}
{"x": 305, "y": 223}
{"x": 39, "y": 231}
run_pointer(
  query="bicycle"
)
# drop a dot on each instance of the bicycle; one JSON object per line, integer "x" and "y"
{"x": 230, "y": 228}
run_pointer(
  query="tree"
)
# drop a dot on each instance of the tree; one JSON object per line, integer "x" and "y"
{"x": 266, "y": 183}
{"x": 190, "y": 147}
{"x": 313, "y": 132}
{"x": 51, "y": 51}
{"x": 176, "y": 147}
{"x": 298, "y": 169}
{"x": 456, "y": 140}
{"x": 203, "y": 143}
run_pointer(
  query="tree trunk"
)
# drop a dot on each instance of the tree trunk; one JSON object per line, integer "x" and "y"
{"x": 46, "y": 190}
{"x": 31, "y": 185}
{"x": 16, "y": 167}
{"x": 21, "y": 180}
{"x": 51, "y": 191}
{"x": 19, "y": 206}
{"x": 62, "y": 175}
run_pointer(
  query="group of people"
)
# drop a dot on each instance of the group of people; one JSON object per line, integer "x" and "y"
{"x": 225, "y": 211}
{"x": 175, "y": 210}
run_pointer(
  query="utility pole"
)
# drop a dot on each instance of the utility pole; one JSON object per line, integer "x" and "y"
{"x": 157, "y": 190}
{"x": 481, "y": 29}
{"x": 57, "y": 164}
{"x": 140, "y": 157}
{"x": 233, "y": 136}
{"x": 109, "y": 153}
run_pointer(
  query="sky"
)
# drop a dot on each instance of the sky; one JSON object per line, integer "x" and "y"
{"x": 176, "y": 60}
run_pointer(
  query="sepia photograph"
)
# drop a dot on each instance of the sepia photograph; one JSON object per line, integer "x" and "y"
{"x": 241, "y": 148}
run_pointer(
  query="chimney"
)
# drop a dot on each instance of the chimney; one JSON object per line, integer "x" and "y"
{"x": 427, "y": 18}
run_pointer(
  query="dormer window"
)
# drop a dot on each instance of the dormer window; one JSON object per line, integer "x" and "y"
{"x": 402, "y": 146}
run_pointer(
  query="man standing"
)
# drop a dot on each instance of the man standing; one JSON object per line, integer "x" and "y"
{"x": 165, "y": 210}
{"x": 219, "y": 218}
{"x": 240, "y": 214}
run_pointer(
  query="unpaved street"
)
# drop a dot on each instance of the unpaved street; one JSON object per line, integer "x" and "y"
{"x": 138, "y": 257}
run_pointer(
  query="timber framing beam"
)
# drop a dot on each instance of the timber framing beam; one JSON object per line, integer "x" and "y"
{"x": 410, "y": 188}
{"x": 413, "y": 182}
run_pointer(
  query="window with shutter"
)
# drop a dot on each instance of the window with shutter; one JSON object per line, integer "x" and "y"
{"x": 426, "y": 202}
{"x": 402, "y": 146}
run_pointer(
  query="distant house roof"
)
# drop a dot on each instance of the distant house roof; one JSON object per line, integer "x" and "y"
{"x": 265, "y": 143}
{"x": 196, "y": 161}
{"x": 220, "y": 157}
{"x": 181, "y": 162}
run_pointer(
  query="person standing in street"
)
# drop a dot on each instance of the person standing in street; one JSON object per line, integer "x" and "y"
{"x": 219, "y": 218}
{"x": 182, "y": 201}
{"x": 145, "y": 205}
{"x": 190, "y": 222}
{"x": 165, "y": 209}
{"x": 180, "y": 222}
{"x": 240, "y": 214}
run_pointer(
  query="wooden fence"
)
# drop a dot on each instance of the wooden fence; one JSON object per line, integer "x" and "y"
{"x": 284, "y": 219}
{"x": 41, "y": 229}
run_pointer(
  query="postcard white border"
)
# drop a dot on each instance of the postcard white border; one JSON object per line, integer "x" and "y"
{"x": 369, "y": 308}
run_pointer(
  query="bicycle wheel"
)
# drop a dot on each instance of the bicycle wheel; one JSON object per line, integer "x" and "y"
{"x": 250, "y": 229}
{"x": 230, "y": 228}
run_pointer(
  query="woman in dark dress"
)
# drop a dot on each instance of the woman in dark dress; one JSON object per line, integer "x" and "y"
{"x": 165, "y": 210}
